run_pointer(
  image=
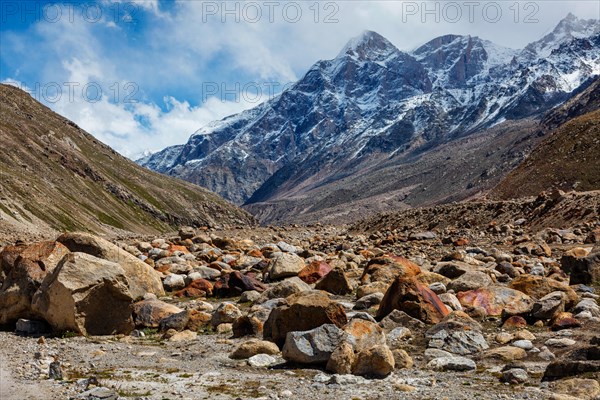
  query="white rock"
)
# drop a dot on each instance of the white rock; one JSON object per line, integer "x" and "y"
{"x": 523, "y": 344}
{"x": 563, "y": 342}
{"x": 452, "y": 364}
{"x": 261, "y": 361}
{"x": 174, "y": 282}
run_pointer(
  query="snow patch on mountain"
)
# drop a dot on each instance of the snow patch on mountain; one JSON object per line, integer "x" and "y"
{"x": 374, "y": 98}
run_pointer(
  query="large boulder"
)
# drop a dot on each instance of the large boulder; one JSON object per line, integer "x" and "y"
{"x": 86, "y": 295}
{"x": 585, "y": 270}
{"x": 24, "y": 268}
{"x": 470, "y": 281}
{"x": 142, "y": 278}
{"x": 377, "y": 361}
{"x": 149, "y": 313}
{"x": 314, "y": 346}
{"x": 415, "y": 299}
{"x": 457, "y": 334}
{"x": 386, "y": 269}
{"x": 303, "y": 311}
{"x": 285, "y": 265}
{"x": 539, "y": 286}
{"x": 314, "y": 271}
{"x": 283, "y": 289}
{"x": 497, "y": 300}
{"x": 335, "y": 282}
{"x": 584, "y": 359}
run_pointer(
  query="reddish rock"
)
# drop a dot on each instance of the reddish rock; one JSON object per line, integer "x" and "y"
{"x": 198, "y": 288}
{"x": 314, "y": 271}
{"x": 364, "y": 334}
{"x": 564, "y": 320}
{"x": 164, "y": 268}
{"x": 221, "y": 287}
{"x": 9, "y": 255}
{"x": 255, "y": 253}
{"x": 515, "y": 322}
{"x": 366, "y": 254}
{"x": 387, "y": 268}
{"x": 461, "y": 242}
{"x": 173, "y": 248}
{"x": 198, "y": 320}
{"x": 244, "y": 283}
{"x": 415, "y": 299}
{"x": 304, "y": 311}
{"x": 235, "y": 283}
{"x": 497, "y": 300}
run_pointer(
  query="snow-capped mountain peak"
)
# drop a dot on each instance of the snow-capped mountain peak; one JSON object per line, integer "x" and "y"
{"x": 374, "y": 99}
{"x": 459, "y": 61}
{"x": 368, "y": 45}
{"x": 571, "y": 27}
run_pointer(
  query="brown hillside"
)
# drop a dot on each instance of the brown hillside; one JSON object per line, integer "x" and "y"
{"x": 568, "y": 159}
{"x": 55, "y": 175}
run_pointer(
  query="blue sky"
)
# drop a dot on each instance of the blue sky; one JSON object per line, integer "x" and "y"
{"x": 142, "y": 75}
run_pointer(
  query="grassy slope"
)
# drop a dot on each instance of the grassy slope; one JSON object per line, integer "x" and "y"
{"x": 52, "y": 170}
{"x": 567, "y": 159}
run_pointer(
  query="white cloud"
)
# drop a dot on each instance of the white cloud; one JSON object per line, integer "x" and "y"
{"x": 181, "y": 48}
{"x": 133, "y": 129}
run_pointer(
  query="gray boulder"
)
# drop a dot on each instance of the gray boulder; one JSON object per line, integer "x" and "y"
{"x": 314, "y": 346}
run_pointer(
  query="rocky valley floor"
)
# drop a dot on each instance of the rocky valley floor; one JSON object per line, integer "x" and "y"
{"x": 498, "y": 308}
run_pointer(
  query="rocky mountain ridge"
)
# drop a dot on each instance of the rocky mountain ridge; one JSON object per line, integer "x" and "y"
{"x": 372, "y": 104}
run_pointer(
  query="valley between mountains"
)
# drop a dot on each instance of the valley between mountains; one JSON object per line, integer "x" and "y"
{"x": 377, "y": 129}
{"x": 421, "y": 225}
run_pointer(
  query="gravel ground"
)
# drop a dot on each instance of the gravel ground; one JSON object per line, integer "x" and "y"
{"x": 151, "y": 369}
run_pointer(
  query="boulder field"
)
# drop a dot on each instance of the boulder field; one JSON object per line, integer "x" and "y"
{"x": 346, "y": 303}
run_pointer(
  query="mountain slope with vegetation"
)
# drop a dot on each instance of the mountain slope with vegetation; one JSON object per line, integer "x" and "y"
{"x": 55, "y": 175}
{"x": 568, "y": 157}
